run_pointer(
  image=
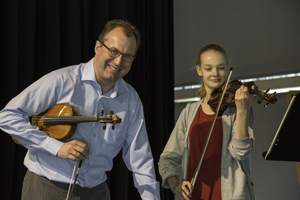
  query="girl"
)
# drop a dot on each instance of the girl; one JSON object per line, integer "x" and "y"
{"x": 225, "y": 169}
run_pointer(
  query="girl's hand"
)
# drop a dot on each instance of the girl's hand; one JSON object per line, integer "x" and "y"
{"x": 181, "y": 189}
{"x": 243, "y": 98}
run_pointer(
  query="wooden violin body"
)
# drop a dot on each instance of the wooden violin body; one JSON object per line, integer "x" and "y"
{"x": 229, "y": 96}
{"x": 61, "y": 120}
{"x": 57, "y": 130}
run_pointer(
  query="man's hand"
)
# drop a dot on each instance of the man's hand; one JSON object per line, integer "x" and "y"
{"x": 73, "y": 150}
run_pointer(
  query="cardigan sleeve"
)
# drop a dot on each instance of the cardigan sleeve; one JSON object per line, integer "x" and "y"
{"x": 240, "y": 149}
{"x": 171, "y": 158}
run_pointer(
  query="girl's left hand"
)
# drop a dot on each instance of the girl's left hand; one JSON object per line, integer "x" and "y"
{"x": 243, "y": 98}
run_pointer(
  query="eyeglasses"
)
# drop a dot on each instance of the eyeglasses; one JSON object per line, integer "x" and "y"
{"x": 115, "y": 53}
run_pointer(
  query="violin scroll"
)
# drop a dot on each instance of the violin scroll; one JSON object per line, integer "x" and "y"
{"x": 114, "y": 120}
{"x": 270, "y": 98}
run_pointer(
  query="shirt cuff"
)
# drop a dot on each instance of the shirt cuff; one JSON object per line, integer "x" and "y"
{"x": 152, "y": 192}
{"x": 52, "y": 145}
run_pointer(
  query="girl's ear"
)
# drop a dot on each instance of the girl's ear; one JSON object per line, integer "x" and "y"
{"x": 199, "y": 70}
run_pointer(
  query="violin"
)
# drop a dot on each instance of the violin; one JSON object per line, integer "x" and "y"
{"x": 61, "y": 120}
{"x": 229, "y": 96}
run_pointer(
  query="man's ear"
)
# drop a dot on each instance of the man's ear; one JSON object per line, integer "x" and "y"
{"x": 199, "y": 70}
{"x": 97, "y": 46}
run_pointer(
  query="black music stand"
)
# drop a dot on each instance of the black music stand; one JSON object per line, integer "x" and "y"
{"x": 286, "y": 143}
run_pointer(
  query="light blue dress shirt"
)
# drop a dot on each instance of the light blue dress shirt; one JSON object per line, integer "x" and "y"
{"x": 77, "y": 85}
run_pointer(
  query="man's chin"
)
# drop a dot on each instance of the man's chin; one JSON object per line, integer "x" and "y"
{"x": 111, "y": 79}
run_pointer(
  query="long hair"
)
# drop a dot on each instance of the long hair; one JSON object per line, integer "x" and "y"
{"x": 215, "y": 47}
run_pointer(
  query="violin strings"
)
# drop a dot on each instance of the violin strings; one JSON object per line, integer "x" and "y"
{"x": 50, "y": 120}
{"x": 263, "y": 95}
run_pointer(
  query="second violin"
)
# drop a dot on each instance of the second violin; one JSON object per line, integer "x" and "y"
{"x": 229, "y": 97}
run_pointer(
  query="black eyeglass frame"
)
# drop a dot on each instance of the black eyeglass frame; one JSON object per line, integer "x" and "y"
{"x": 118, "y": 54}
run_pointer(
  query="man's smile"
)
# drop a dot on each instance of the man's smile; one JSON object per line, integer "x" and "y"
{"x": 115, "y": 69}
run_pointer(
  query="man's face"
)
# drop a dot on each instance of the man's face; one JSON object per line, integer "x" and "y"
{"x": 109, "y": 69}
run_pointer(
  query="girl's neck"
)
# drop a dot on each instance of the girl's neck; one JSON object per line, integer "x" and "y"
{"x": 205, "y": 107}
{"x": 206, "y": 98}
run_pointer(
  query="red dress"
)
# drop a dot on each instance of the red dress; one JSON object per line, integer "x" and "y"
{"x": 208, "y": 183}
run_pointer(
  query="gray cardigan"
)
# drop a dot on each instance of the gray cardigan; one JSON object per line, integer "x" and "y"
{"x": 236, "y": 154}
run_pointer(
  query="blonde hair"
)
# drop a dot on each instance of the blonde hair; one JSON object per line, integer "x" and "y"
{"x": 215, "y": 47}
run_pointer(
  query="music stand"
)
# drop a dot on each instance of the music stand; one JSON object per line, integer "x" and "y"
{"x": 286, "y": 143}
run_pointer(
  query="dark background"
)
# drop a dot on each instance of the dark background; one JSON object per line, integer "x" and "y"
{"x": 41, "y": 36}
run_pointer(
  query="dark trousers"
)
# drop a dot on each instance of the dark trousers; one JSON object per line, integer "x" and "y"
{"x": 37, "y": 187}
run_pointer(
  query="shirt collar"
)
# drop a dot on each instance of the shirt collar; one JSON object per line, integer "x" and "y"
{"x": 88, "y": 74}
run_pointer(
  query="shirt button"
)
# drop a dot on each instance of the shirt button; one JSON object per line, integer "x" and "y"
{"x": 113, "y": 95}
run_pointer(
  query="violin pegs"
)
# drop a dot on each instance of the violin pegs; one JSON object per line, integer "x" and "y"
{"x": 266, "y": 105}
{"x": 259, "y": 101}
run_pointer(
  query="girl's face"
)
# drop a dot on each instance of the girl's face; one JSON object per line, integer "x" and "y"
{"x": 213, "y": 70}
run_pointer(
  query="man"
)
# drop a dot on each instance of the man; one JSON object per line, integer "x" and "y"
{"x": 89, "y": 87}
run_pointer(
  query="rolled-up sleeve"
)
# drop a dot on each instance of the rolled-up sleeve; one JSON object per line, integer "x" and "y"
{"x": 240, "y": 149}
